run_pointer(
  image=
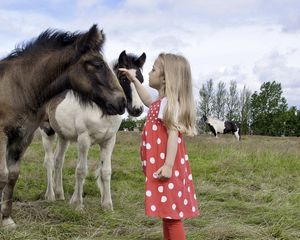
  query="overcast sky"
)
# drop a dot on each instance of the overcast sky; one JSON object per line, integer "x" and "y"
{"x": 249, "y": 41}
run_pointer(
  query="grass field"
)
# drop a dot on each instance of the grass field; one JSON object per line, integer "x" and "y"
{"x": 246, "y": 190}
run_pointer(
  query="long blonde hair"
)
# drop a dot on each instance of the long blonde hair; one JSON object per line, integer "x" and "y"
{"x": 179, "y": 112}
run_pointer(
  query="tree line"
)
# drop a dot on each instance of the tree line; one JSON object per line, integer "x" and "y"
{"x": 263, "y": 112}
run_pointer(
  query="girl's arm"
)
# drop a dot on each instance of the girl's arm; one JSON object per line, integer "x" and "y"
{"x": 143, "y": 93}
{"x": 172, "y": 144}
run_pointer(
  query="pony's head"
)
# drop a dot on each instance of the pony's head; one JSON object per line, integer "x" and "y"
{"x": 134, "y": 104}
{"x": 91, "y": 77}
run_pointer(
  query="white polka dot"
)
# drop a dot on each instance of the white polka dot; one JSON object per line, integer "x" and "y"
{"x": 148, "y": 193}
{"x": 185, "y": 202}
{"x": 190, "y": 177}
{"x": 148, "y": 146}
{"x": 186, "y": 157}
{"x": 146, "y": 179}
{"x": 195, "y": 196}
{"x": 173, "y": 206}
{"x": 160, "y": 189}
{"x": 168, "y": 217}
{"x": 153, "y": 208}
{"x": 181, "y": 214}
{"x": 176, "y": 173}
{"x": 158, "y": 141}
{"x": 146, "y": 133}
{"x": 162, "y": 155}
{"x": 152, "y": 160}
{"x": 154, "y": 175}
{"x": 193, "y": 209}
{"x": 189, "y": 189}
{"x": 182, "y": 161}
{"x": 144, "y": 162}
{"x": 179, "y": 194}
{"x": 163, "y": 199}
{"x": 183, "y": 181}
{"x": 144, "y": 143}
{"x": 179, "y": 140}
{"x": 170, "y": 185}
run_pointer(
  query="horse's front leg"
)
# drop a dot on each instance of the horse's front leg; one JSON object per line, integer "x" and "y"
{"x": 7, "y": 194}
{"x": 83, "y": 145}
{"x": 104, "y": 173}
{"x": 3, "y": 168}
{"x": 59, "y": 157}
{"x": 48, "y": 164}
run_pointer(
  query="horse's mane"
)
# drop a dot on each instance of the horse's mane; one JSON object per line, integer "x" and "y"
{"x": 50, "y": 39}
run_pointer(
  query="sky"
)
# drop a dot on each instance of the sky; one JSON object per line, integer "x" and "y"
{"x": 248, "y": 41}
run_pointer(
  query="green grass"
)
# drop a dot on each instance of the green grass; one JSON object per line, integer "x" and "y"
{"x": 246, "y": 190}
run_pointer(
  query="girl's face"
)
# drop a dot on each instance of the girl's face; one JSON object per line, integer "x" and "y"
{"x": 156, "y": 76}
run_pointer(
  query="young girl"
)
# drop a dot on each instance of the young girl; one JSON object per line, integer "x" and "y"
{"x": 170, "y": 193}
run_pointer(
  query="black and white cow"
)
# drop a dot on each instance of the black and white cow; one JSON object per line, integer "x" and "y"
{"x": 218, "y": 126}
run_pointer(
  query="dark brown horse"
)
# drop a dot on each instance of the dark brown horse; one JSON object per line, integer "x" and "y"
{"x": 31, "y": 76}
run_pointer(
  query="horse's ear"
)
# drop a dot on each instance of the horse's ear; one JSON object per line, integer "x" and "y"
{"x": 92, "y": 40}
{"x": 122, "y": 58}
{"x": 141, "y": 60}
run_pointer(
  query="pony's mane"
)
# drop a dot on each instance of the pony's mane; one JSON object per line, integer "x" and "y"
{"x": 50, "y": 39}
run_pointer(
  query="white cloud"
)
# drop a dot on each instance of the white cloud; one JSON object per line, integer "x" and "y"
{"x": 224, "y": 40}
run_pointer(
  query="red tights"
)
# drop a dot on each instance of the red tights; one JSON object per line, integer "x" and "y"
{"x": 173, "y": 229}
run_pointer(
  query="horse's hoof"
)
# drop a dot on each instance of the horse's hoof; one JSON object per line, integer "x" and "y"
{"x": 50, "y": 197}
{"x": 107, "y": 206}
{"x": 74, "y": 201}
{"x": 80, "y": 208}
{"x": 8, "y": 223}
{"x": 60, "y": 196}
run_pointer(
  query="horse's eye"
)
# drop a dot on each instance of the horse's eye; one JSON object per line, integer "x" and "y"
{"x": 94, "y": 64}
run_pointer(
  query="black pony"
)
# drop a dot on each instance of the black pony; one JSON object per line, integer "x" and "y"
{"x": 218, "y": 126}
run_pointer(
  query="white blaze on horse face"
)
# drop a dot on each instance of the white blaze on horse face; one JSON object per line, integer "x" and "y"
{"x": 136, "y": 100}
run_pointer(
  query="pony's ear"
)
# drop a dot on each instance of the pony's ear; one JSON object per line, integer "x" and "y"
{"x": 141, "y": 60}
{"x": 122, "y": 58}
{"x": 92, "y": 40}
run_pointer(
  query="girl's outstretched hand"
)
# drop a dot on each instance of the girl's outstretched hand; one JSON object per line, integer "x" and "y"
{"x": 130, "y": 73}
{"x": 164, "y": 172}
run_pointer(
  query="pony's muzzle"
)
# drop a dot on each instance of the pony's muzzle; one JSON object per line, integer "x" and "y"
{"x": 116, "y": 107}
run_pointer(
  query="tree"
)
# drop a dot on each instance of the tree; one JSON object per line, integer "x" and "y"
{"x": 232, "y": 102}
{"x": 220, "y": 101}
{"x": 268, "y": 110}
{"x": 128, "y": 124}
{"x": 292, "y": 123}
{"x": 206, "y": 98}
{"x": 245, "y": 110}
{"x": 205, "y": 104}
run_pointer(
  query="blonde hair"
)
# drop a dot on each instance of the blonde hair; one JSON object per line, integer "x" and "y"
{"x": 177, "y": 87}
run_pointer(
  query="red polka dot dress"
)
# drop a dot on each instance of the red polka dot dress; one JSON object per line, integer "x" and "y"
{"x": 174, "y": 198}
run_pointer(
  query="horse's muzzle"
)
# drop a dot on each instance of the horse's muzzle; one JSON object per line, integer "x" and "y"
{"x": 117, "y": 107}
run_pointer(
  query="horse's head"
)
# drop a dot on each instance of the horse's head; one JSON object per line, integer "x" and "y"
{"x": 134, "y": 104}
{"x": 91, "y": 77}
